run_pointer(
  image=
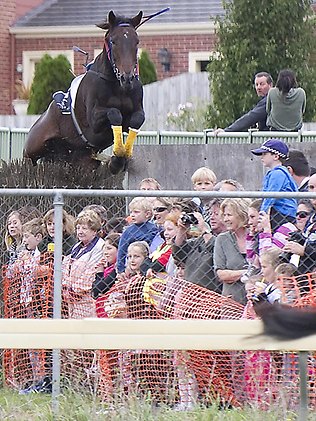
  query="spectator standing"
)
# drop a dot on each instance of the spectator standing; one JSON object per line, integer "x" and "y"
{"x": 278, "y": 179}
{"x": 69, "y": 240}
{"x": 140, "y": 229}
{"x": 149, "y": 184}
{"x": 286, "y": 104}
{"x": 230, "y": 248}
{"x": 79, "y": 266}
{"x": 258, "y": 114}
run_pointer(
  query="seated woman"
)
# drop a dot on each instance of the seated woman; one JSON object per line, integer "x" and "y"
{"x": 286, "y": 103}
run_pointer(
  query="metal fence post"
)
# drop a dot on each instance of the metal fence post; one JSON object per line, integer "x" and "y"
{"x": 58, "y": 240}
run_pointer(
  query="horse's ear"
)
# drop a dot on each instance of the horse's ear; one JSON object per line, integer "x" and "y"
{"x": 137, "y": 19}
{"x": 111, "y": 18}
{"x": 103, "y": 25}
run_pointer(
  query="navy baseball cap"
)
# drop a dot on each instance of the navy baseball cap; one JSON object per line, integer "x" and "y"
{"x": 274, "y": 146}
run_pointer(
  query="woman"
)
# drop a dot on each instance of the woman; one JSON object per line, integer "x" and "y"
{"x": 230, "y": 248}
{"x": 304, "y": 211}
{"x": 79, "y": 266}
{"x": 286, "y": 103}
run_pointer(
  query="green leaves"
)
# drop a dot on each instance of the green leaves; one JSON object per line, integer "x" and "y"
{"x": 51, "y": 75}
{"x": 260, "y": 36}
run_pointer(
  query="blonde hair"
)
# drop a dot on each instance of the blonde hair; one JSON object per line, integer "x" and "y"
{"x": 142, "y": 245}
{"x": 90, "y": 218}
{"x": 141, "y": 203}
{"x": 152, "y": 181}
{"x": 8, "y": 239}
{"x": 202, "y": 174}
{"x": 272, "y": 256}
{"x": 239, "y": 207}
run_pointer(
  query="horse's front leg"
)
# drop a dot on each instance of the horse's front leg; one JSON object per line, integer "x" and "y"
{"x": 136, "y": 122}
{"x": 114, "y": 116}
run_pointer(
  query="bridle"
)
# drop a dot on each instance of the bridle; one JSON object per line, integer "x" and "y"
{"x": 109, "y": 52}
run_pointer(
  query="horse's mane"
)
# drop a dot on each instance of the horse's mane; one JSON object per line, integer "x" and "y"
{"x": 285, "y": 322}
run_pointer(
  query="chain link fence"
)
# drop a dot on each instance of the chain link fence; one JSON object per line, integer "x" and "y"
{"x": 151, "y": 285}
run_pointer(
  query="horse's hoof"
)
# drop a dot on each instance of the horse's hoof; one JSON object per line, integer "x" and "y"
{"x": 117, "y": 164}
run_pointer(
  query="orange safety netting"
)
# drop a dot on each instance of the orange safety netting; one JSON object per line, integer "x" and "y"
{"x": 181, "y": 377}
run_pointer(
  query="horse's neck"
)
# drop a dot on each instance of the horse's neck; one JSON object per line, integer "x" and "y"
{"x": 103, "y": 66}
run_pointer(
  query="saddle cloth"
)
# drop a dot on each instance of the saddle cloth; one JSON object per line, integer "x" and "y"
{"x": 66, "y": 100}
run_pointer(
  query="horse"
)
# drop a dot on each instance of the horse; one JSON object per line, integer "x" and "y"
{"x": 108, "y": 102}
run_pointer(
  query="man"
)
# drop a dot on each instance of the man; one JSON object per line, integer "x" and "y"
{"x": 299, "y": 168}
{"x": 258, "y": 114}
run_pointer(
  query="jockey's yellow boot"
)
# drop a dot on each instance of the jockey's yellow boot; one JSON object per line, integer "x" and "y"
{"x": 132, "y": 133}
{"x": 118, "y": 147}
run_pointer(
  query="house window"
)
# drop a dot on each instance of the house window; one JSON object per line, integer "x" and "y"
{"x": 198, "y": 61}
{"x": 31, "y": 58}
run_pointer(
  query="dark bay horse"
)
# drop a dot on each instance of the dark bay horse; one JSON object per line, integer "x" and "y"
{"x": 109, "y": 101}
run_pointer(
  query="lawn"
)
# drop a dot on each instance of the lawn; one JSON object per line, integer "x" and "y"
{"x": 75, "y": 407}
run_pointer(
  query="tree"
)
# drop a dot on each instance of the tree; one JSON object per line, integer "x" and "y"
{"x": 256, "y": 36}
{"x": 51, "y": 75}
{"x": 147, "y": 70}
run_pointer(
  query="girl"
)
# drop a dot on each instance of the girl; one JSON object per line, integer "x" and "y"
{"x": 105, "y": 276}
{"x": 13, "y": 236}
{"x": 266, "y": 289}
{"x": 47, "y": 244}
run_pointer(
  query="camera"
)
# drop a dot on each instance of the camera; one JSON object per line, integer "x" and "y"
{"x": 297, "y": 237}
{"x": 189, "y": 219}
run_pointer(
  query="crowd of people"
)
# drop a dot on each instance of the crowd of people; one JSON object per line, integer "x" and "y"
{"x": 234, "y": 247}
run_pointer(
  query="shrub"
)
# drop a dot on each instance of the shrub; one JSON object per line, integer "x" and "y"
{"x": 147, "y": 70}
{"x": 51, "y": 75}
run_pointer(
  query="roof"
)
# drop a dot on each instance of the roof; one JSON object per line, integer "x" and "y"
{"x": 90, "y": 12}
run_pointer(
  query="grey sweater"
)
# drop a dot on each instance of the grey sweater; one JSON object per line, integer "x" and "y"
{"x": 285, "y": 112}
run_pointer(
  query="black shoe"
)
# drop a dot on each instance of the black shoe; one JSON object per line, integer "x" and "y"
{"x": 43, "y": 386}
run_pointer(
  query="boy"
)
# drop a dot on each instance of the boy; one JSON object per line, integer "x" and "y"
{"x": 34, "y": 298}
{"x": 140, "y": 229}
{"x": 278, "y": 179}
{"x": 203, "y": 179}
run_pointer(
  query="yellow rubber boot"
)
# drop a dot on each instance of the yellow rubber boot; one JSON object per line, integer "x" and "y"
{"x": 132, "y": 133}
{"x": 118, "y": 147}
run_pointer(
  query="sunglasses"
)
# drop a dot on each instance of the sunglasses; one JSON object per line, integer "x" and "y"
{"x": 160, "y": 209}
{"x": 302, "y": 214}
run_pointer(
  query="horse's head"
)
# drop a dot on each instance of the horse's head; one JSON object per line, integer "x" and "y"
{"x": 121, "y": 44}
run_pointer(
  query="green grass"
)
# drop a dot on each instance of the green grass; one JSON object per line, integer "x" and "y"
{"x": 75, "y": 407}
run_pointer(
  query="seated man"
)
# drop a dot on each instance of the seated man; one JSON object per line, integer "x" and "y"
{"x": 257, "y": 115}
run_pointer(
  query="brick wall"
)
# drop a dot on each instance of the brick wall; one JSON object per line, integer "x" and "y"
{"x": 178, "y": 45}
{"x": 7, "y": 16}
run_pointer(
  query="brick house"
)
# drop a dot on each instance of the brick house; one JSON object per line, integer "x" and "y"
{"x": 55, "y": 26}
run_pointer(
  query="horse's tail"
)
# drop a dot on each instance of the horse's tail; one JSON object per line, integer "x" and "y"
{"x": 284, "y": 322}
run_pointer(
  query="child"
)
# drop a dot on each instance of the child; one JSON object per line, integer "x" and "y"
{"x": 47, "y": 244}
{"x": 105, "y": 270}
{"x": 277, "y": 179}
{"x": 149, "y": 184}
{"x": 203, "y": 179}
{"x": 140, "y": 229}
{"x": 35, "y": 298}
{"x": 266, "y": 289}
